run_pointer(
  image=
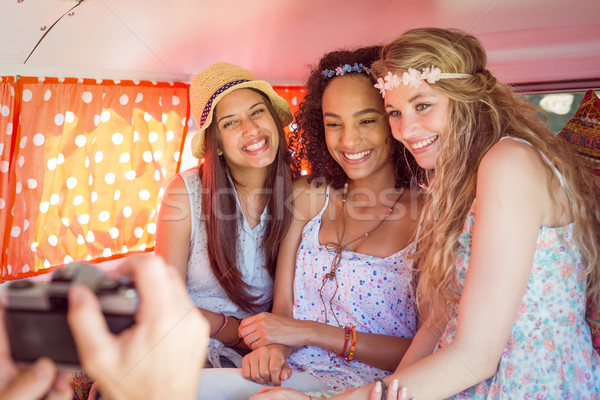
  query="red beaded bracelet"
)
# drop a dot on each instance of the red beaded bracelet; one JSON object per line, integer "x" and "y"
{"x": 352, "y": 346}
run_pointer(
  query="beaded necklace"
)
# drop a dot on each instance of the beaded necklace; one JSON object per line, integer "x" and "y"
{"x": 339, "y": 247}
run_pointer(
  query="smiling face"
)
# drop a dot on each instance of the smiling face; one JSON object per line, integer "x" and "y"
{"x": 356, "y": 129}
{"x": 418, "y": 118}
{"x": 247, "y": 132}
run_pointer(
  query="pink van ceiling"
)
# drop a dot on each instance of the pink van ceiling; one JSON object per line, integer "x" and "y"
{"x": 527, "y": 41}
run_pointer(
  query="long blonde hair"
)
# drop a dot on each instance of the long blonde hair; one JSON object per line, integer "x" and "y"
{"x": 481, "y": 111}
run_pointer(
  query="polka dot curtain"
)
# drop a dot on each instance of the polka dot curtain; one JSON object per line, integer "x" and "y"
{"x": 82, "y": 174}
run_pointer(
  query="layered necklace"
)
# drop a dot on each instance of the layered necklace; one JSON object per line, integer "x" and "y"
{"x": 339, "y": 247}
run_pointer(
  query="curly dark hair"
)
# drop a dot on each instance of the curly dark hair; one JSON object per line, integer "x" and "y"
{"x": 307, "y": 141}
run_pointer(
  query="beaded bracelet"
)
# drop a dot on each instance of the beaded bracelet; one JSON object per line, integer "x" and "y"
{"x": 346, "y": 338}
{"x": 352, "y": 346}
{"x": 225, "y": 319}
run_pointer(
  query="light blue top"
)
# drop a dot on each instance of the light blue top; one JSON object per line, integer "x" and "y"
{"x": 202, "y": 285}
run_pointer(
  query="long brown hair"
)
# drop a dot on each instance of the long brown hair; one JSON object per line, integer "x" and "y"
{"x": 222, "y": 215}
{"x": 481, "y": 111}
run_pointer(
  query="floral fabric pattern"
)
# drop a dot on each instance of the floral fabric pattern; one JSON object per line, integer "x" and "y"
{"x": 549, "y": 354}
{"x": 375, "y": 294}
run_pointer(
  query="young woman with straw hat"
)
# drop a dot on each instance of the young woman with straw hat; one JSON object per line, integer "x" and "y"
{"x": 220, "y": 223}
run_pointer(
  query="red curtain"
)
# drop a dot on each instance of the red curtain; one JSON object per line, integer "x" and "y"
{"x": 82, "y": 167}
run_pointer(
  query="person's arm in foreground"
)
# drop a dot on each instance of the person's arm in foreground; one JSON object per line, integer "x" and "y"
{"x": 161, "y": 356}
{"x": 32, "y": 383}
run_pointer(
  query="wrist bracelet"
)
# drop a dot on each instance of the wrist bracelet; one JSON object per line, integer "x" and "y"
{"x": 352, "y": 346}
{"x": 222, "y": 326}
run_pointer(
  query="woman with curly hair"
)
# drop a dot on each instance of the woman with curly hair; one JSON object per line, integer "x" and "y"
{"x": 344, "y": 306}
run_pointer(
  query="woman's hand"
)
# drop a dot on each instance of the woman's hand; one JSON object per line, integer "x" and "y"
{"x": 265, "y": 328}
{"x": 394, "y": 392}
{"x": 278, "y": 393}
{"x": 267, "y": 364}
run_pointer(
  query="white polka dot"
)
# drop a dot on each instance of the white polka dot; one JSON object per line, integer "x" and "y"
{"x": 109, "y": 178}
{"x": 106, "y": 252}
{"x": 117, "y": 195}
{"x": 86, "y": 163}
{"x": 176, "y": 101}
{"x": 147, "y": 117}
{"x": 164, "y": 118}
{"x": 1, "y": 148}
{"x": 52, "y": 162}
{"x": 151, "y": 228}
{"x": 117, "y": 138}
{"x": 31, "y": 183}
{"x": 105, "y": 116}
{"x": 5, "y": 111}
{"x": 142, "y": 247}
{"x": 124, "y": 99}
{"x": 15, "y": 231}
{"x": 2, "y": 203}
{"x": 136, "y": 136}
{"x": 21, "y": 161}
{"x": 47, "y": 95}
{"x": 104, "y": 216}
{"x": 60, "y": 158}
{"x": 138, "y": 232}
{"x": 98, "y": 156}
{"x": 25, "y": 268}
{"x": 47, "y": 264}
{"x": 23, "y": 142}
{"x": 77, "y": 200}
{"x": 130, "y": 175}
{"x": 147, "y": 156}
{"x": 33, "y": 246}
{"x": 94, "y": 197}
{"x": 80, "y": 140}
{"x": 160, "y": 101}
{"x": 152, "y": 137}
{"x": 90, "y": 179}
{"x": 139, "y": 98}
{"x": 295, "y": 100}
{"x": 170, "y": 136}
{"x": 44, "y": 206}
{"x": 144, "y": 194}
{"x": 163, "y": 171}
{"x": 54, "y": 199}
{"x": 59, "y": 119}
{"x": 127, "y": 211}
{"x": 90, "y": 237}
{"x": 80, "y": 240}
{"x": 157, "y": 155}
{"x": 125, "y": 249}
{"x": 38, "y": 139}
{"x": 67, "y": 259}
{"x": 83, "y": 218}
{"x": 114, "y": 232}
{"x": 124, "y": 157}
{"x": 96, "y": 120}
{"x": 157, "y": 175}
{"x": 176, "y": 156}
{"x": 160, "y": 194}
{"x": 71, "y": 182}
{"x": 87, "y": 97}
{"x": 18, "y": 187}
{"x": 52, "y": 240}
{"x": 65, "y": 221}
{"x": 3, "y": 166}
{"x": 9, "y": 128}
{"x": 69, "y": 117}
{"x": 25, "y": 225}
{"x": 183, "y": 121}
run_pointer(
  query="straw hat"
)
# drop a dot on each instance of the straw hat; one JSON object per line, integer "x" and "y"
{"x": 210, "y": 85}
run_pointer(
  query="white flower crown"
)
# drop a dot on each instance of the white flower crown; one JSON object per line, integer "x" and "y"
{"x": 413, "y": 78}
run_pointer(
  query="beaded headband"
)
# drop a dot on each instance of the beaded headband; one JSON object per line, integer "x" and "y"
{"x": 413, "y": 78}
{"x": 346, "y": 68}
